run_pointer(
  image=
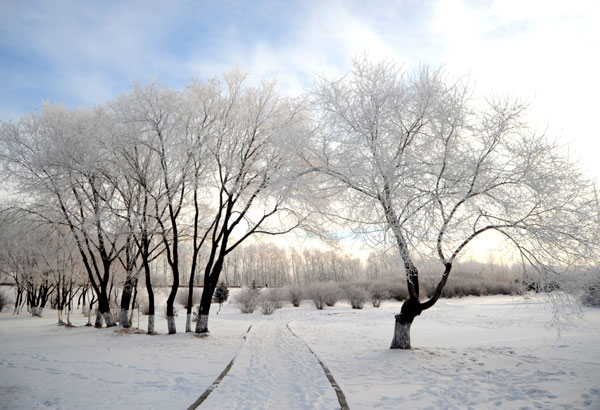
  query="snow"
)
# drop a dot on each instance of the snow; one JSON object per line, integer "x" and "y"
{"x": 469, "y": 353}
{"x": 43, "y": 365}
{"x": 273, "y": 370}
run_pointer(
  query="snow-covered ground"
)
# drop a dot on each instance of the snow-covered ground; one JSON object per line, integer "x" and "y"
{"x": 476, "y": 352}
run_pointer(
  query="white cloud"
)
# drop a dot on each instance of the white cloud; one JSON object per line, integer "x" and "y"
{"x": 545, "y": 51}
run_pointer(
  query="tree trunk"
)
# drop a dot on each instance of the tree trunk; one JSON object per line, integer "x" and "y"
{"x": 124, "y": 317}
{"x": 411, "y": 308}
{"x": 150, "y": 324}
{"x": 188, "y": 322}
{"x": 133, "y": 302}
{"x": 204, "y": 309}
{"x": 171, "y": 324}
{"x": 98, "y": 323}
{"x": 202, "y": 324}
{"x": 401, "y": 338}
{"x": 210, "y": 283}
{"x": 149, "y": 289}
{"x": 104, "y": 310}
{"x": 108, "y": 319}
{"x": 126, "y": 300}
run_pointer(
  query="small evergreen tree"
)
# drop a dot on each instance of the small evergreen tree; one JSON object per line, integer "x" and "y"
{"x": 221, "y": 294}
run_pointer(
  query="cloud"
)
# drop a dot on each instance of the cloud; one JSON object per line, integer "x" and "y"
{"x": 544, "y": 51}
{"x": 321, "y": 40}
{"x": 87, "y": 53}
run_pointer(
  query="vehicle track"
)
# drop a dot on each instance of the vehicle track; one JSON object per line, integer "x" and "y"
{"x": 274, "y": 368}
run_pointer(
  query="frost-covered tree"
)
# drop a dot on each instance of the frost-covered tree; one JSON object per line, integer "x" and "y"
{"x": 415, "y": 155}
{"x": 253, "y": 178}
{"x": 58, "y": 163}
{"x": 161, "y": 123}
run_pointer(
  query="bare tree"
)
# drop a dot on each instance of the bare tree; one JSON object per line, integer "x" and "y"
{"x": 417, "y": 157}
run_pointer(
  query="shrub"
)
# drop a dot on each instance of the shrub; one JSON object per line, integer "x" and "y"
{"x": 331, "y": 293}
{"x": 270, "y": 299}
{"x": 591, "y": 293}
{"x": 267, "y": 307}
{"x": 357, "y": 296}
{"x": 500, "y": 288}
{"x": 182, "y": 297}
{"x": 295, "y": 294}
{"x": 378, "y": 291}
{"x": 317, "y": 294}
{"x": 247, "y": 300}
{"x": 397, "y": 290}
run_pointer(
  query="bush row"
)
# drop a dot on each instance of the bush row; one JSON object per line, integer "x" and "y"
{"x": 357, "y": 294}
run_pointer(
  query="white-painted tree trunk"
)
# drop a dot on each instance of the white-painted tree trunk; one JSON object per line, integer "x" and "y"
{"x": 131, "y": 311}
{"x": 171, "y": 325}
{"x": 401, "y": 336}
{"x": 202, "y": 324}
{"x": 108, "y": 319}
{"x": 150, "y": 324}
{"x": 69, "y": 318}
{"x": 98, "y": 319}
{"x": 60, "y": 317}
{"x": 188, "y": 323}
{"x": 124, "y": 318}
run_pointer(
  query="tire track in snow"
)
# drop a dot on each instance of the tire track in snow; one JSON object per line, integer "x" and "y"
{"x": 214, "y": 384}
{"x": 273, "y": 370}
{"x": 338, "y": 391}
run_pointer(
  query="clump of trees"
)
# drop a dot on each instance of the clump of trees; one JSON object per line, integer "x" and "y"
{"x": 186, "y": 177}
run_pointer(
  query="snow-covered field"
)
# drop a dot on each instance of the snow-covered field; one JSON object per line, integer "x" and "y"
{"x": 476, "y": 352}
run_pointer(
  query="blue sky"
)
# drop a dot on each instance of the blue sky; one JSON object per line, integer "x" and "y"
{"x": 88, "y": 52}
{"x": 84, "y": 53}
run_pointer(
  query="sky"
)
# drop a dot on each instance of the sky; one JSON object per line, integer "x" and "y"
{"x": 84, "y": 53}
